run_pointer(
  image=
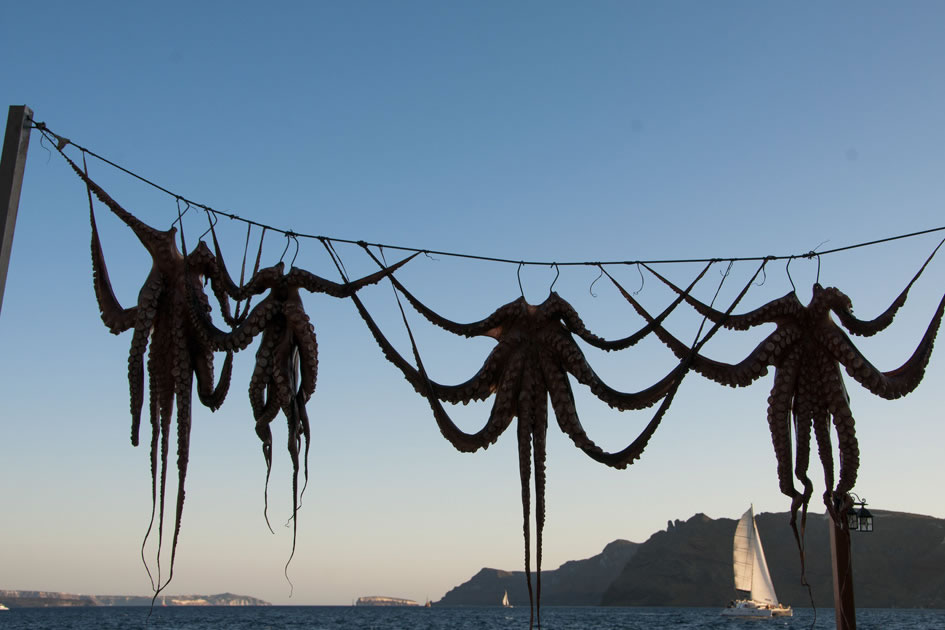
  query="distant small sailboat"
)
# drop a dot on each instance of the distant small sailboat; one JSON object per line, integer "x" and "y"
{"x": 505, "y": 600}
{"x": 2, "y": 607}
{"x": 751, "y": 574}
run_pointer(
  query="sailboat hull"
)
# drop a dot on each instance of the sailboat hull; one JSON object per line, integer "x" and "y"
{"x": 749, "y": 608}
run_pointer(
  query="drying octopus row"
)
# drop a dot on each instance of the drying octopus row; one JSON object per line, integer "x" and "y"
{"x": 531, "y": 364}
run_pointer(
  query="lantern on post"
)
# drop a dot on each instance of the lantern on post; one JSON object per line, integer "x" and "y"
{"x": 859, "y": 520}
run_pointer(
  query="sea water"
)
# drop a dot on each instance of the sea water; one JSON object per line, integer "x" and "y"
{"x": 338, "y": 617}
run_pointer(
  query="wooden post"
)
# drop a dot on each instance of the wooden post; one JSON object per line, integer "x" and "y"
{"x": 842, "y": 563}
{"x": 12, "y": 162}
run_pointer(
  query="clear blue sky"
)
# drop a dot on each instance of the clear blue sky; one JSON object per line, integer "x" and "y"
{"x": 552, "y": 130}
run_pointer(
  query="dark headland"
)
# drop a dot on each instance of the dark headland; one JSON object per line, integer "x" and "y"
{"x": 901, "y": 564}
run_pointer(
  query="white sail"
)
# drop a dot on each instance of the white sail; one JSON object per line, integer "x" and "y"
{"x": 505, "y": 600}
{"x": 748, "y": 557}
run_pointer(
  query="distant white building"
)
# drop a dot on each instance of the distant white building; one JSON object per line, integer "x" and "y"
{"x": 376, "y": 600}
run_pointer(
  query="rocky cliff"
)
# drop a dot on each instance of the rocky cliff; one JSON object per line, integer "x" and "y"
{"x": 901, "y": 564}
{"x": 574, "y": 583}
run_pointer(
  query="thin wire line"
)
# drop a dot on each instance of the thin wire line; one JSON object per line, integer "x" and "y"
{"x": 61, "y": 142}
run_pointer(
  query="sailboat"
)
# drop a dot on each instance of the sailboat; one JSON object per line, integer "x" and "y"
{"x": 751, "y": 574}
{"x": 505, "y": 600}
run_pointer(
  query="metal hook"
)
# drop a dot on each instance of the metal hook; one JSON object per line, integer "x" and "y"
{"x": 813, "y": 253}
{"x": 180, "y": 215}
{"x": 289, "y": 237}
{"x": 42, "y": 143}
{"x": 787, "y": 268}
{"x": 764, "y": 271}
{"x": 519, "y": 274}
{"x": 212, "y": 220}
{"x": 296, "y": 239}
{"x": 642, "y": 281}
{"x": 287, "y": 241}
{"x": 557, "y": 273}
{"x": 590, "y": 289}
{"x": 180, "y": 220}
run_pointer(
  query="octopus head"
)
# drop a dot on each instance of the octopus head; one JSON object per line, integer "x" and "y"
{"x": 830, "y": 299}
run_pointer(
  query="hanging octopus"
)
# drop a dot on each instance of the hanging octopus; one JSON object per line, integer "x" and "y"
{"x": 534, "y": 355}
{"x": 163, "y": 325}
{"x": 287, "y": 358}
{"x": 807, "y": 349}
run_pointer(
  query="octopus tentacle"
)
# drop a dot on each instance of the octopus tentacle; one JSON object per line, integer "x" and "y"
{"x": 283, "y": 369}
{"x": 669, "y": 385}
{"x": 779, "y": 413}
{"x": 166, "y": 404}
{"x": 390, "y": 353}
{"x": 263, "y": 280}
{"x": 210, "y": 396}
{"x": 770, "y": 312}
{"x": 634, "y": 450}
{"x": 485, "y": 326}
{"x": 626, "y": 342}
{"x": 572, "y": 358}
{"x": 482, "y": 384}
{"x": 462, "y": 441}
{"x": 316, "y": 284}
{"x": 539, "y": 447}
{"x": 223, "y": 285}
{"x": 115, "y": 318}
{"x": 824, "y": 448}
{"x": 505, "y": 407}
{"x": 304, "y": 334}
{"x": 562, "y": 401}
{"x": 524, "y": 465}
{"x": 242, "y": 335}
{"x": 839, "y": 407}
{"x": 139, "y": 344}
{"x": 306, "y": 432}
{"x": 488, "y": 326}
{"x": 867, "y": 328}
{"x": 803, "y": 412}
{"x": 290, "y": 409}
{"x": 183, "y": 455}
{"x": 895, "y": 383}
{"x": 740, "y": 374}
{"x": 154, "y": 409}
{"x": 262, "y": 375}
{"x": 625, "y": 401}
{"x": 821, "y": 422}
{"x": 145, "y": 233}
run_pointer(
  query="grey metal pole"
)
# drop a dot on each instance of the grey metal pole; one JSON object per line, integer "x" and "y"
{"x": 12, "y": 163}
